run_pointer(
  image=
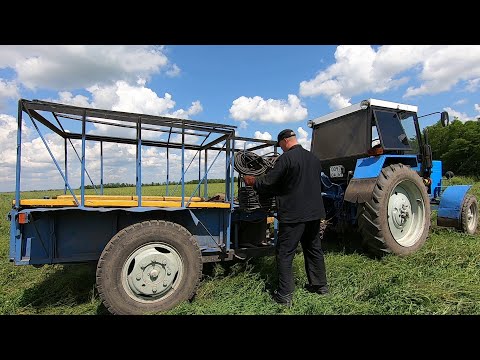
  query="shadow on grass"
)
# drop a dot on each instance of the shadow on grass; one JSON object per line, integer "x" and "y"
{"x": 72, "y": 285}
{"x": 265, "y": 267}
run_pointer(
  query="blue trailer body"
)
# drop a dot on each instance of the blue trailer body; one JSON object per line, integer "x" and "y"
{"x": 67, "y": 235}
{"x": 78, "y": 233}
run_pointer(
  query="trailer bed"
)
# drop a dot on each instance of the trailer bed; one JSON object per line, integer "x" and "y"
{"x": 123, "y": 201}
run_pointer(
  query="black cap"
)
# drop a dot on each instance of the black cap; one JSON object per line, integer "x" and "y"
{"x": 284, "y": 134}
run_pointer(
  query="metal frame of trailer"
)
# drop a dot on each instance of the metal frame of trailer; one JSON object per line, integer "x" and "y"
{"x": 70, "y": 228}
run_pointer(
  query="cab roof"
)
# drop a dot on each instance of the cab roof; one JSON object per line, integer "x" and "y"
{"x": 361, "y": 106}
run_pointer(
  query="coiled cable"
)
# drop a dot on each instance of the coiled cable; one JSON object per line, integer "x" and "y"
{"x": 249, "y": 163}
{"x": 250, "y": 200}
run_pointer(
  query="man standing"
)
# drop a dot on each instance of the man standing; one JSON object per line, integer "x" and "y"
{"x": 295, "y": 180}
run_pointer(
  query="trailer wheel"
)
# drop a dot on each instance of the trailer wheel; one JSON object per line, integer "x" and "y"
{"x": 397, "y": 217}
{"x": 149, "y": 267}
{"x": 469, "y": 215}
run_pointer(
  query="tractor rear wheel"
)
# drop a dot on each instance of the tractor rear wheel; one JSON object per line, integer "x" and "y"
{"x": 397, "y": 217}
{"x": 149, "y": 267}
{"x": 469, "y": 215}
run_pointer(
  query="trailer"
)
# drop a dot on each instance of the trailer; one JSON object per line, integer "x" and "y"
{"x": 149, "y": 250}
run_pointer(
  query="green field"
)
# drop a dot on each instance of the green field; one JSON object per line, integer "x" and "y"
{"x": 442, "y": 278}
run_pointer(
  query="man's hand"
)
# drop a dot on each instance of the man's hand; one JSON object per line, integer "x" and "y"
{"x": 249, "y": 180}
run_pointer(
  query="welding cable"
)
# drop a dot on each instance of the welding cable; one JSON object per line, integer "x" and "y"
{"x": 249, "y": 163}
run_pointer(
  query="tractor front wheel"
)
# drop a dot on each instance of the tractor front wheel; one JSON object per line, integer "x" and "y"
{"x": 397, "y": 217}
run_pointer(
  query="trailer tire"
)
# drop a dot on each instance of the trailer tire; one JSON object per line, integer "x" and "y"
{"x": 149, "y": 267}
{"x": 469, "y": 215}
{"x": 397, "y": 217}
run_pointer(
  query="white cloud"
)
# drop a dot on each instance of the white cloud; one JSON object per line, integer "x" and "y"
{"x": 66, "y": 97}
{"x": 39, "y": 172}
{"x": 337, "y": 101}
{"x": 445, "y": 66}
{"x": 271, "y": 110}
{"x": 477, "y": 107}
{"x": 192, "y": 110}
{"x": 8, "y": 138}
{"x": 457, "y": 114}
{"x": 243, "y": 124}
{"x": 173, "y": 71}
{"x": 303, "y": 138}
{"x": 263, "y": 136}
{"x": 66, "y": 67}
{"x": 361, "y": 69}
{"x": 473, "y": 85}
{"x": 460, "y": 102}
{"x": 358, "y": 69}
{"x": 8, "y": 89}
{"x": 122, "y": 96}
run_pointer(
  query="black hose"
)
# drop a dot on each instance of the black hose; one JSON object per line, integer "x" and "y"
{"x": 250, "y": 200}
{"x": 249, "y": 163}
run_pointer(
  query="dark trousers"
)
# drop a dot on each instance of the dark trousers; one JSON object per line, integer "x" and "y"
{"x": 310, "y": 235}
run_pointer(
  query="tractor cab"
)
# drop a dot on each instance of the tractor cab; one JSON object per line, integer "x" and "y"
{"x": 369, "y": 128}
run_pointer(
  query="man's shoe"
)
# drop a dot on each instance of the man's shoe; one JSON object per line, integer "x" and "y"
{"x": 317, "y": 289}
{"x": 286, "y": 300}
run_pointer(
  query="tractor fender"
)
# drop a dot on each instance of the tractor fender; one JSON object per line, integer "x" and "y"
{"x": 450, "y": 207}
{"x": 360, "y": 188}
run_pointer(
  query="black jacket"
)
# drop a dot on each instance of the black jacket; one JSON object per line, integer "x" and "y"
{"x": 295, "y": 180}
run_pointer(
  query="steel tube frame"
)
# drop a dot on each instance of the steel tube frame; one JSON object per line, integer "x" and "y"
{"x": 51, "y": 155}
{"x": 82, "y": 181}
{"x": 139, "y": 162}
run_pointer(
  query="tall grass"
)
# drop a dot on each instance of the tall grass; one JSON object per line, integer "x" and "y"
{"x": 442, "y": 278}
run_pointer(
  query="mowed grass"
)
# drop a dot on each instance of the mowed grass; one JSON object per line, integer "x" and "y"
{"x": 442, "y": 278}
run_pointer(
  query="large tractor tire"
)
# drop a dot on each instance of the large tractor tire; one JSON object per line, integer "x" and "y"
{"x": 149, "y": 267}
{"x": 397, "y": 217}
{"x": 469, "y": 215}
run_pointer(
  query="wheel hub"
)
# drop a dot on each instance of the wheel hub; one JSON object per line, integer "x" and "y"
{"x": 153, "y": 272}
{"x": 406, "y": 213}
{"x": 401, "y": 210}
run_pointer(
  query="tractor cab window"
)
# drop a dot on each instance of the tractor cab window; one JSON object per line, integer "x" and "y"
{"x": 375, "y": 137}
{"x": 408, "y": 125}
{"x": 392, "y": 134}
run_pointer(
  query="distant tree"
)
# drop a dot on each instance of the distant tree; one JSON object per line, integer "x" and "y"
{"x": 457, "y": 145}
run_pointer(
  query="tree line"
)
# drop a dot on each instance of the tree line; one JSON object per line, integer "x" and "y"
{"x": 457, "y": 146}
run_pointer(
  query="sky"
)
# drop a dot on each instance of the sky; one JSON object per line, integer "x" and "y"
{"x": 261, "y": 89}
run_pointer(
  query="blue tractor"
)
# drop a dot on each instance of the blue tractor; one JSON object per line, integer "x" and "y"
{"x": 379, "y": 178}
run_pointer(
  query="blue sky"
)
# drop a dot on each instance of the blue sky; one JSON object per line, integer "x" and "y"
{"x": 261, "y": 89}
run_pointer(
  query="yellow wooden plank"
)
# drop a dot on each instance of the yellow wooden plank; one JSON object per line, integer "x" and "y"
{"x": 179, "y": 198}
{"x": 47, "y": 202}
{"x": 98, "y": 197}
{"x": 118, "y": 203}
{"x": 130, "y": 197}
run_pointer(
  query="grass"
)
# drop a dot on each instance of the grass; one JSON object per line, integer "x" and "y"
{"x": 441, "y": 278}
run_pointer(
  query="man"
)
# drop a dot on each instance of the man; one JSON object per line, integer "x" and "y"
{"x": 295, "y": 180}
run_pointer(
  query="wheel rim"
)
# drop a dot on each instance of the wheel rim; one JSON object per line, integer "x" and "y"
{"x": 406, "y": 213}
{"x": 152, "y": 273}
{"x": 472, "y": 215}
